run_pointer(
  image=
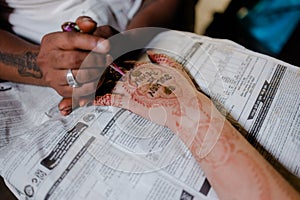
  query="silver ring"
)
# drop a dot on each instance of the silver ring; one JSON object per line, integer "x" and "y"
{"x": 71, "y": 80}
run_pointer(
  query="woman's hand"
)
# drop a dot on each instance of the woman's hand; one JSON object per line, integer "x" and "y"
{"x": 162, "y": 92}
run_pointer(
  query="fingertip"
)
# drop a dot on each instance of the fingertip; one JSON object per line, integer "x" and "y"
{"x": 103, "y": 46}
{"x": 83, "y": 18}
{"x": 109, "y": 59}
{"x": 86, "y": 24}
{"x": 84, "y": 101}
{"x": 151, "y": 56}
{"x": 65, "y": 102}
{"x": 150, "y": 52}
{"x": 65, "y": 112}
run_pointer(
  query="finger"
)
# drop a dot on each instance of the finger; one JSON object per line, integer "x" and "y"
{"x": 87, "y": 87}
{"x": 59, "y": 78}
{"x": 76, "y": 40}
{"x": 85, "y": 90}
{"x": 83, "y": 76}
{"x": 86, "y": 24}
{"x": 79, "y": 60}
{"x": 85, "y": 100}
{"x": 93, "y": 60}
{"x": 167, "y": 61}
{"x": 67, "y": 105}
{"x": 94, "y": 66}
{"x": 163, "y": 60}
{"x": 105, "y": 31}
{"x": 67, "y": 59}
{"x": 109, "y": 100}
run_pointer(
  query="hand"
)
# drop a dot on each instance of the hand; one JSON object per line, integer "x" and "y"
{"x": 163, "y": 92}
{"x": 87, "y": 26}
{"x": 61, "y": 51}
{"x": 121, "y": 43}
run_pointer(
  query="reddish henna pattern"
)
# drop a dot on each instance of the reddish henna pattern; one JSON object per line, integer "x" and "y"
{"x": 105, "y": 100}
{"x": 149, "y": 85}
{"x": 219, "y": 155}
{"x": 164, "y": 60}
{"x": 225, "y": 142}
{"x": 226, "y": 156}
{"x": 260, "y": 179}
{"x": 278, "y": 180}
{"x": 197, "y": 123}
{"x": 108, "y": 100}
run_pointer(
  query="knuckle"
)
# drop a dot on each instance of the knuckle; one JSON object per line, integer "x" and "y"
{"x": 61, "y": 57}
{"x": 40, "y": 60}
{"x": 77, "y": 60}
{"x": 48, "y": 38}
{"x": 62, "y": 92}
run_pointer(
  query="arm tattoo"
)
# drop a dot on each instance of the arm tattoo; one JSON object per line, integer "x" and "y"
{"x": 25, "y": 63}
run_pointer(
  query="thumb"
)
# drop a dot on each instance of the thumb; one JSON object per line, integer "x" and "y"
{"x": 163, "y": 60}
{"x": 86, "y": 24}
{"x": 66, "y": 106}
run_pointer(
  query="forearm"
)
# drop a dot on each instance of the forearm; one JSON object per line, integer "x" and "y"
{"x": 161, "y": 91}
{"x": 234, "y": 168}
{"x": 18, "y": 60}
{"x": 155, "y": 13}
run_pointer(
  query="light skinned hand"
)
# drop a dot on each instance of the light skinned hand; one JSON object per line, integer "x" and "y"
{"x": 162, "y": 92}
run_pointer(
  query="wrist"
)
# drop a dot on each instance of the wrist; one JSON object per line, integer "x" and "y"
{"x": 200, "y": 128}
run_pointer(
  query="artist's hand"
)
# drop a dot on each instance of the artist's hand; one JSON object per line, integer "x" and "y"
{"x": 162, "y": 92}
{"x": 61, "y": 51}
{"x": 88, "y": 30}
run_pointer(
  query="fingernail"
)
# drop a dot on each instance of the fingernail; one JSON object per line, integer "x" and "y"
{"x": 109, "y": 59}
{"x": 83, "y": 102}
{"x": 66, "y": 111}
{"x": 103, "y": 46}
{"x": 86, "y": 18}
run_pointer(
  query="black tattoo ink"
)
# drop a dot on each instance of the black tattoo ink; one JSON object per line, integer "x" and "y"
{"x": 25, "y": 63}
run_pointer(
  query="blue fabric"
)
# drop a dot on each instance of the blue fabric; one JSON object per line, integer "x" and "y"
{"x": 272, "y": 22}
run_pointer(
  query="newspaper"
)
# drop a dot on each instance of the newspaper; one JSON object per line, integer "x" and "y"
{"x": 110, "y": 153}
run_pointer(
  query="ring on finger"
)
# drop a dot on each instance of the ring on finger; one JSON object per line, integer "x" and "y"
{"x": 71, "y": 79}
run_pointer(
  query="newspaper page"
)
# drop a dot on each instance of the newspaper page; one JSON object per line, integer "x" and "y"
{"x": 110, "y": 153}
{"x": 22, "y": 107}
{"x": 95, "y": 153}
{"x": 259, "y": 94}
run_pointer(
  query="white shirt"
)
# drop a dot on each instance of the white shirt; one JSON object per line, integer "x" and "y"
{"x": 34, "y": 18}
